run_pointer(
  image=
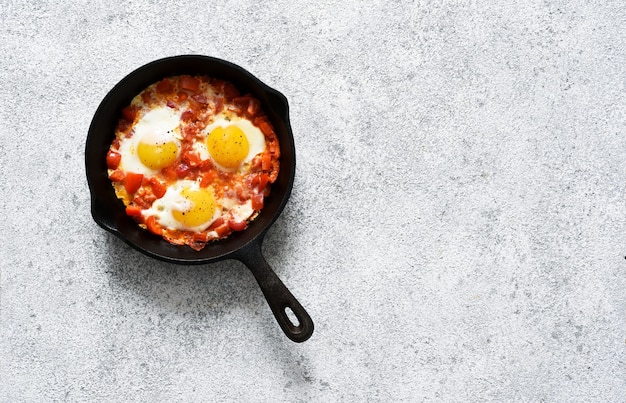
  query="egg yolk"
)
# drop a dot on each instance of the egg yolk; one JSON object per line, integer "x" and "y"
{"x": 157, "y": 156}
{"x": 201, "y": 207}
{"x": 228, "y": 146}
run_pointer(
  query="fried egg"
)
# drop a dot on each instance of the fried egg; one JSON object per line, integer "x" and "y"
{"x": 155, "y": 142}
{"x": 185, "y": 206}
{"x": 231, "y": 144}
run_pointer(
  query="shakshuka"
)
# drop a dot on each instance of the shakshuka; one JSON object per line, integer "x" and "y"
{"x": 193, "y": 159}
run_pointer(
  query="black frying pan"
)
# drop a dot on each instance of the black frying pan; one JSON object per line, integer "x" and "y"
{"x": 108, "y": 211}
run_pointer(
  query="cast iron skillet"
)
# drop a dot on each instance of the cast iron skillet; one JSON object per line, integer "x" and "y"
{"x": 108, "y": 211}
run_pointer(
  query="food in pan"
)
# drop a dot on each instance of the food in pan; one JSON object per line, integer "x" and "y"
{"x": 193, "y": 159}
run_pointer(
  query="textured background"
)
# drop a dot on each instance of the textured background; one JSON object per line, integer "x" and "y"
{"x": 457, "y": 229}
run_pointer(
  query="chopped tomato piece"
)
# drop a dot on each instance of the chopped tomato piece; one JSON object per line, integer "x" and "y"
{"x": 182, "y": 96}
{"x": 266, "y": 128}
{"x": 217, "y": 84}
{"x": 220, "y": 227}
{"x": 189, "y": 83}
{"x": 230, "y": 91}
{"x": 266, "y": 162}
{"x": 113, "y": 159}
{"x": 219, "y": 105}
{"x": 188, "y": 116}
{"x": 216, "y": 223}
{"x": 154, "y": 226}
{"x": 225, "y": 176}
{"x": 169, "y": 173}
{"x": 206, "y": 165}
{"x": 191, "y": 158}
{"x": 182, "y": 169}
{"x": 237, "y": 225}
{"x": 242, "y": 194}
{"x": 273, "y": 147}
{"x": 133, "y": 211}
{"x": 242, "y": 101}
{"x": 257, "y": 201}
{"x": 207, "y": 178}
{"x": 248, "y": 105}
{"x": 141, "y": 202}
{"x": 254, "y": 107}
{"x": 157, "y": 188}
{"x": 164, "y": 86}
{"x": 189, "y": 132}
{"x": 132, "y": 182}
{"x": 262, "y": 180}
{"x": 200, "y": 98}
{"x": 124, "y": 126}
{"x": 117, "y": 176}
{"x": 200, "y": 236}
{"x": 274, "y": 173}
{"x": 171, "y": 104}
{"x": 223, "y": 230}
{"x": 255, "y": 164}
{"x": 146, "y": 97}
{"x": 129, "y": 113}
{"x": 148, "y": 199}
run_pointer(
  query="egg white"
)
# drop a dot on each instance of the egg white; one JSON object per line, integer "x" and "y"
{"x": 158, "y": 126}
{"x": 242, "y": 212}
{"x": 256, "y": 140}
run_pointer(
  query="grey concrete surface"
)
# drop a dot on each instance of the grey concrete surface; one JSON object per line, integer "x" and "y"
{"x": 457, "y": 229}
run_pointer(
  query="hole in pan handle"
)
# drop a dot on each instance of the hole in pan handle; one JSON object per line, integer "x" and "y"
{"x": 283, "y": 304}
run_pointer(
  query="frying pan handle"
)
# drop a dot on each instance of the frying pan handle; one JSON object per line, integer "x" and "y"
{"x": 277, "y": 295}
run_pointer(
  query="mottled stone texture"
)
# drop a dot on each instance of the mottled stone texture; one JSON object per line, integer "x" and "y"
{"x": 457, "y": 229}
